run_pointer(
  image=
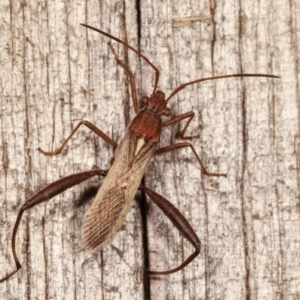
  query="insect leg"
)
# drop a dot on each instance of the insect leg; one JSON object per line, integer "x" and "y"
{"x": 132, "y": 80}
{"x": 43, "y": 195}
{"x": 189, "y": 115}
{"x": 184, "y": 145}
{"x": 89, "y": 125}
{"x": 180, "y": 222}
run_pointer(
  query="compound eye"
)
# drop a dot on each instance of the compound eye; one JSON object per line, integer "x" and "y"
{"x": 167, "y": 111}
{"x": 145, "y": 99}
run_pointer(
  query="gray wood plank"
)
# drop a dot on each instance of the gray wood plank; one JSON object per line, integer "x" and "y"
{"x": 55, "y": 73}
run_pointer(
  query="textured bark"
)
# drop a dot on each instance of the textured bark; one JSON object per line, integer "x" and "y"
{"x": 55, "y": 73}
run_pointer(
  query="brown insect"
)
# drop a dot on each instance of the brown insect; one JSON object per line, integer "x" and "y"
{"x": 113, "y": 200}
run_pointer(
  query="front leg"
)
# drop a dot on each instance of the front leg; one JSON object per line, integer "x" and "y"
{"x": 189, "y": 115}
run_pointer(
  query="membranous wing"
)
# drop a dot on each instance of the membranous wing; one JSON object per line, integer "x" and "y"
{"x": 114, "y": 199}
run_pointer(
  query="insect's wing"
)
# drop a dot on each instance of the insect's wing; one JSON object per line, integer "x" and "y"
{"x": 101, "y": 223}
{"x": 114, "y": 199}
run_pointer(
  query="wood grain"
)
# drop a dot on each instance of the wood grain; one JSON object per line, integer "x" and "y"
{"x": 55, "y": 73}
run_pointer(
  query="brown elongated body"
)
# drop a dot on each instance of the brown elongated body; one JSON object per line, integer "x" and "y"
{"x": 113, "y": 201}
{"x": 114, "y": 198}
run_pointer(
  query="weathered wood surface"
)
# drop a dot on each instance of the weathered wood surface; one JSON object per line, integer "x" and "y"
{"x": 54, "y": 73}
